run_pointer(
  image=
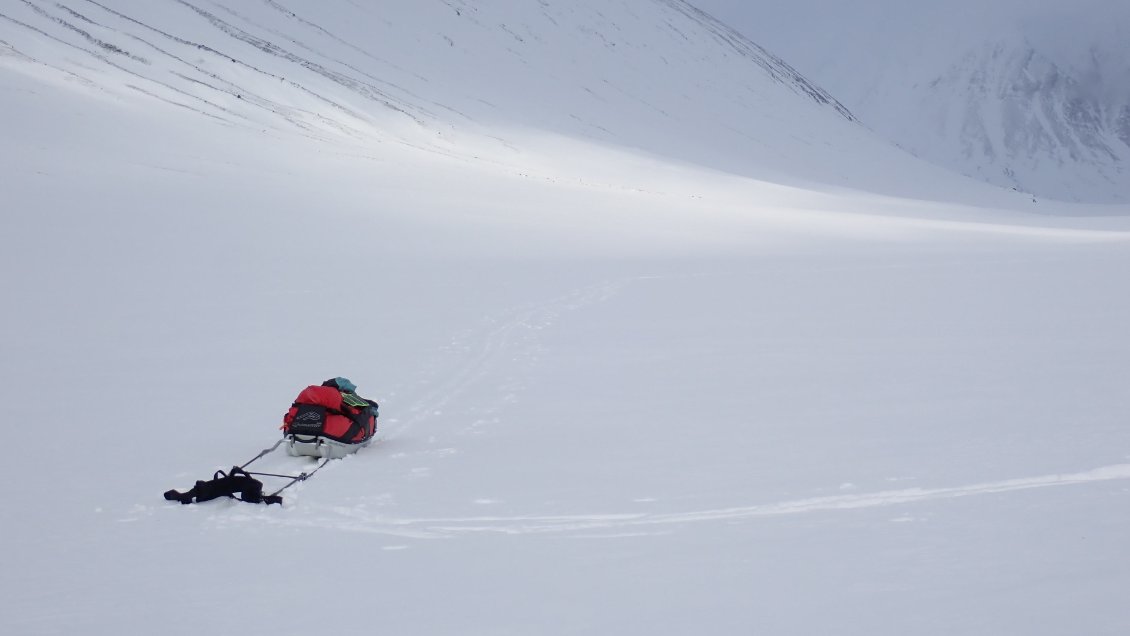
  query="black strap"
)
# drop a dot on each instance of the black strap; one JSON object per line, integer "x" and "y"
{"x": 329, "y": 409}
{"x": 226, "y": 485}
{"x": 355, "y": 427}
{"x": 358, "y": 422}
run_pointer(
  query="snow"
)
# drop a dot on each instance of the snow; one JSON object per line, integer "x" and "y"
{"x": 627, "y": 385}
{"x": 1029, "y": 94}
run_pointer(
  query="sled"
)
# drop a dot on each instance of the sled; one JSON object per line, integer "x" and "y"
{"x": 329, "y": 421}
{"x": 317, "y": 446}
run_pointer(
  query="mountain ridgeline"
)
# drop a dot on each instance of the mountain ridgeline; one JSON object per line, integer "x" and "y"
{"x": 1025, "y": 95}
{"x": 1007, "y": 112}
{"x": 657, "y": 75}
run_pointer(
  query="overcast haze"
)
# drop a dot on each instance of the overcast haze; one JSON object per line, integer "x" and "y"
{"x": 665, "y": 344}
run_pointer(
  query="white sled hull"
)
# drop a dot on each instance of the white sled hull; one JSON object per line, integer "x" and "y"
{"x": 303, "y": 446}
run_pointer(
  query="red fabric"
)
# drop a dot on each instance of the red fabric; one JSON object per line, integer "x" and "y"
{"x": 329, "y": 397}
{"x": 326, "y": 396}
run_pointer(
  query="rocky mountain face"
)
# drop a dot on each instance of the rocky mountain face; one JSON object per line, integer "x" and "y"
{"x": 1031, "y": 96}
{"x": 1012, "y": 114}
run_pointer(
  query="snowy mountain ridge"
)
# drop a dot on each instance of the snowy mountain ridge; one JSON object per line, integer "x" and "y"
{"x": 655, "y": 78}
{"x": 1026, "y": 95}
{"x": 1011, "y": 114}
{"x": 346, "y": 69}
{"x": 773, "y": 65}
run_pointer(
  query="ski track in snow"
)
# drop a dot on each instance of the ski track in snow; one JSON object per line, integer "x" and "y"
{"x": 513, "y": 337}
{"x": 618, "y": 525}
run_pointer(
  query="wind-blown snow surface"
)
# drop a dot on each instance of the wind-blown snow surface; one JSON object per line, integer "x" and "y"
{"x": 620, "y": 393}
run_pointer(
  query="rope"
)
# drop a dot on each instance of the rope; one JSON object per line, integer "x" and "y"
{"x": 301, "y": 477}
{"x": 263, "y": 452}
{"x": 294, "y": 479}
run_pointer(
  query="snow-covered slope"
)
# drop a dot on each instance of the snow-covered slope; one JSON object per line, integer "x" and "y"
{"x": 1026, "y": 95}
{"x": 622, "y": 391}
{"x": 422, "y": 71}
{"x": 647, "y": 75}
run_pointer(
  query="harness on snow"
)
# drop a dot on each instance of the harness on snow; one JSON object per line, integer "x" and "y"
{"x": 238, "y": 480}
{"x": 227, "y": 484}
